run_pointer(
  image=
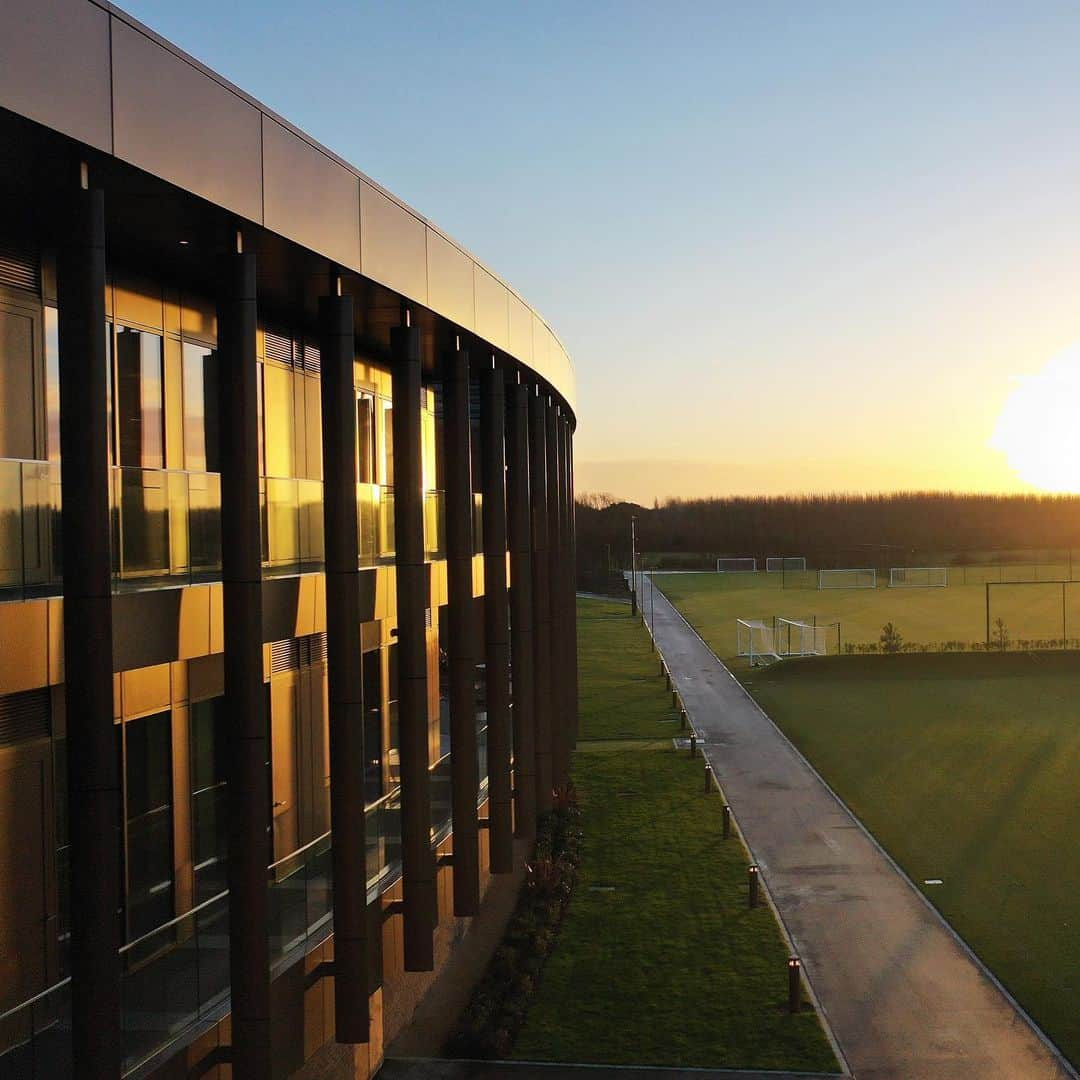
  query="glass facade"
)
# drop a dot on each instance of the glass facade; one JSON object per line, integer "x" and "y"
{"x": 172, "y": 724}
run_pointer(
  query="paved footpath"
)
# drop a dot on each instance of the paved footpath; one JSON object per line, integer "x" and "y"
{"x": 904, "y": 997}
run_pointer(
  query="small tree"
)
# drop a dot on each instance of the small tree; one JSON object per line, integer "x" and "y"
{"x": 1001, "y": 634}
{"x": 891, "y": 641}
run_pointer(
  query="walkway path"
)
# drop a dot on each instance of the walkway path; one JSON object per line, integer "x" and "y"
{"x": 429, "y": 1069}
{"x": 904, "y": 997}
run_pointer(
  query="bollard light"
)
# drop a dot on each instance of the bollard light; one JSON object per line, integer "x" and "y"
{"x": 693, "y": 744}
{"x": 754, "y": 881}
{"x": 708, "y": 778}
{"x": 683, "y": 718}
{"x": 727, "y": 822}
{"x": 663, "y": 667}
{"x": 674, "y": 699}
{"x": 668, "y": 677}
{"x": 794, "y": 984}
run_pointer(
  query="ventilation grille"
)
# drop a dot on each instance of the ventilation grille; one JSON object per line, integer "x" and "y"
{"x": 312, "y": 649}
{"x": 427, "y": 618}
{"x": 296, "y": 653}
{"x": 279, "y": 348}
{"x": 24, "y": 716}
{"x": 19, "y": 268}
{"x": 284, "y": 656}
{"x": 312, "y": 359}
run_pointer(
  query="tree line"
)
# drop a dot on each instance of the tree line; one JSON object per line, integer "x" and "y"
{"x": 832, "y": 530}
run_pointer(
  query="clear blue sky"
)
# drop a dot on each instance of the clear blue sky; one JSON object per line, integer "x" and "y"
{"x": 788, "y": 246}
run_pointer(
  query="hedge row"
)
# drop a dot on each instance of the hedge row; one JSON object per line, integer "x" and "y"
{"x": 500, "y": 1001}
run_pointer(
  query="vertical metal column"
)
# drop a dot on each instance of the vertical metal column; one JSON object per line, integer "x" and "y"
{"x": 521, "y": 611}
{"x": 461, "y": 648}
{"x": 570, "y": 571}
{"x": 496, "y": 619}
{"x": 345, "y": 685}
{"x": 557, "y": 693}
{"x": 575, "y": 703}
{"x": 417, "y": 858}
{"x": 245, "y": 693}
{"x": 92, "y": 759}
{"x": 541, "y": 587}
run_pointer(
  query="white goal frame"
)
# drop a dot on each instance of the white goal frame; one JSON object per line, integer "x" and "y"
{"x": 862, "y": 577}
{"x": 746, "y": 566}
{"x": 755, "y": 638}
{"x": 795, "y": 638}
{"x": 918, "y": 577}
{"x": 776, "y": 564}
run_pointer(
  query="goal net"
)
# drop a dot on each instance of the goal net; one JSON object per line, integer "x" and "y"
{"x": 918, "y": 577}
{"x": 778, "y": 563}
{"x": 794, "y": 638}
{"x": 756, "y": 639}
{"x": 847, "y": 579}
{"x": 735, "y": 566}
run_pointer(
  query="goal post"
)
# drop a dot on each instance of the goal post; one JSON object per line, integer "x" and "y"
{"x": 776, "y": 564}
{"x": 918, "y": 577}
{"x": 860, "y": 578}
{"x": 755, "y": 639}
{"x": 736, "y": 566}
{"x": 795, "y": 638}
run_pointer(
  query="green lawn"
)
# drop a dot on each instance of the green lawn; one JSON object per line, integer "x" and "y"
{"x": 659, "y": 961}
{"x": 965, "y": 768}
{"x": 1031, "y": 612}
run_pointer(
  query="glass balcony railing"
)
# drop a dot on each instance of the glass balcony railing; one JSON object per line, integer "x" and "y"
{"x": 301, "y": 899}
{"x": 166, "y": 527}
{"x": 35, "y": 1036}
{"x": 292, "y": 525}
{"x": 29, "y": 528}
{"x": 177, "y": 975}
{"x": 383, "y": 832}
{"x": 478, "y": 522}
{"x": 174, "y": 977}
{"x": 441, "y": 806}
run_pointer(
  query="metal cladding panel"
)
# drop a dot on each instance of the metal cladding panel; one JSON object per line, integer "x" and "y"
{"x": 541, "y": 344}
{"x": 521, "y": 340}
{"x": 308, "y": 197}
{"x": 450, "y": 280}
{"x": 492, "y": 309}
{"x": 54, "y": 66}
{"x": 393, "y": 245}
{"x": 176, "y": 122}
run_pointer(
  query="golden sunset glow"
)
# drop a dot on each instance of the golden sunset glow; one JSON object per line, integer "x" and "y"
{"x": 1038, "y": 429}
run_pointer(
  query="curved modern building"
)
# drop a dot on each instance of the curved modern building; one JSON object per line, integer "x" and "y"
{"x": 286, "y": 480}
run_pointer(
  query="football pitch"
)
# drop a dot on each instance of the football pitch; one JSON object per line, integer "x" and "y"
{"x": 1035, "y": 614}
{"x": 963, "y": 765}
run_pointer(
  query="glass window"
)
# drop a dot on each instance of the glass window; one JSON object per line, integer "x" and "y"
{"x": 373, "y": 730}
{"x": 365, "y": 438}
{"x": 388, "y": 442}
{"x": 209, "y": 772}
{"x": 279, "y": 420}
{"x": 52, "y": 385}
{"x": 140, "y": 410}
{"x": 148, "y": 812}
{"x": 201, "y": 418}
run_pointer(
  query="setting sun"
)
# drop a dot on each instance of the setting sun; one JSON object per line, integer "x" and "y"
{"x": 1037, "y": 430}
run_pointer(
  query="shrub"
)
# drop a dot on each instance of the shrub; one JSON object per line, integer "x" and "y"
{"x": 500, "y": 1000}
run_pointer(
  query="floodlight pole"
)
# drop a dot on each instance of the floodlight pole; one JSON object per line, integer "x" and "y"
{"x": 633, "y": 566}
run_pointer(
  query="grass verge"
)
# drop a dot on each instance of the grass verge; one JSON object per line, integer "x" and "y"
{"x": 964, "y": 767}
{"x": 659, "y": 961}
